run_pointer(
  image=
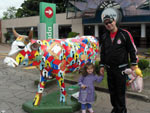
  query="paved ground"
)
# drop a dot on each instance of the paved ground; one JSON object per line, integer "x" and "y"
{"x": 17, "y": 86}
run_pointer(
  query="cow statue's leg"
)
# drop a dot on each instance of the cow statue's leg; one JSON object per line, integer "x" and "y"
{"x": 60, "y": 79}
{"x": 41, "y": 86}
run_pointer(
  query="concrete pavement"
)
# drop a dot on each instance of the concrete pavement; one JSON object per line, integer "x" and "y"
{"x": 17, "y": 86}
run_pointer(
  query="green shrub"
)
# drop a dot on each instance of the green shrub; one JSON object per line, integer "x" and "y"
{"x": 146, "y": 72}
{"x": 97, "y": 67}
{"x": 72, "y": 34}
{"x": 143, "y": 64}
{"x": 148, "y": 50}
{"x": 7, "y": 36}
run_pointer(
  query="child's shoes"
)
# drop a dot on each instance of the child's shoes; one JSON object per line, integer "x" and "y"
{"x": 83, "y": 111}
{"x": 90, "y": 110}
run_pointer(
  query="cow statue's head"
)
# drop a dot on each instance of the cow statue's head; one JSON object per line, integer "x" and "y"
{"x": 22, "y": 44}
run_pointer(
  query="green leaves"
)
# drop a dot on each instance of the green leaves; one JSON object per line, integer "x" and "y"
{"x": 10, "y": 13}
{"x": 31, "y": 7}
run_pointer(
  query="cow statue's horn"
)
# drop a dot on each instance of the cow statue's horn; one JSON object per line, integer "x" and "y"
{"x": 31, "y": 34}
{"x": 15, "y": 33}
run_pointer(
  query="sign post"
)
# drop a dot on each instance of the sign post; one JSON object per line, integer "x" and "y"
{"x": 47, "y": 19}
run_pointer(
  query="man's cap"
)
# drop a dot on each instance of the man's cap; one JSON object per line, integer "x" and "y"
{"x": 107, "y": 17}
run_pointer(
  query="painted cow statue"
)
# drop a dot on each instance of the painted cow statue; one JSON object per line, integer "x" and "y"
{"x": 54, "y": 57}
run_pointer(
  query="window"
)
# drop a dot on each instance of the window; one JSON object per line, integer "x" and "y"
{"x": 89, "y": 30}
{"x": 64, "y": 30}
{"x": 25, "y": 31}
{"x": 148, "y": 34}
{"x": 135, "y": 31}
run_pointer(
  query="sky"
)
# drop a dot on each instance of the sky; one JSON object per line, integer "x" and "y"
{"x": 5, "y": 4}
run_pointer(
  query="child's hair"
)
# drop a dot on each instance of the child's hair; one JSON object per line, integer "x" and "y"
{"x": 84, "y": 69}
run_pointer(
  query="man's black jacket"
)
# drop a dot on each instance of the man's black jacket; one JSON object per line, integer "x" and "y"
{"x": 117, "y": 53}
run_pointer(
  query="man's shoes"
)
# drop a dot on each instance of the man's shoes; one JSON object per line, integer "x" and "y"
{"x": 113, "y": 111}
{"x": 124, "y": 111}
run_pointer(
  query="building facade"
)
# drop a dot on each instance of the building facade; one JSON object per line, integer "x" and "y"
{"x": 23, "y": 25}
{"x": 0, "y": 32}
{"x": 134, "y": 16}
{"x": 86, "y": 20}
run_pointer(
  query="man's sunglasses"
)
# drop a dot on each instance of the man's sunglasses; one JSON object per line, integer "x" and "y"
{"x": 108, "y": 22}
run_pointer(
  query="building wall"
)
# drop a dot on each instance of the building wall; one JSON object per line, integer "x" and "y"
{"x": 34, "y": 21}
{"x": 75, "y": 23}
{"x": 77, "y": 26}
{"x": 0, "y": 32}
{"x": 18, "y": 23}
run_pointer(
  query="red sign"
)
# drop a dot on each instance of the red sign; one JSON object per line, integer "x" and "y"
{"x": 48, "y": 12}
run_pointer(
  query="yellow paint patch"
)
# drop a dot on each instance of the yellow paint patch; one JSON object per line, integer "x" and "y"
{"x": 20, "y": 38}
{"x": 45, "y": 43}
{"x": 37, "y": 53}
{"x": 47, "y": 64}
{"x": 76, "y": 56}
{"x": 30, "y": 67}
{"x": 59, "y": 81}
{"x": 19, "y": 58}
{"x": 43, "y": 83}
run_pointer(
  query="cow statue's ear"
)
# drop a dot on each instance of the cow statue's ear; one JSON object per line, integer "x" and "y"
{"x": 35, "y": 46}
{"x": 30, "y": 34}
{"x": 15, "y": 33}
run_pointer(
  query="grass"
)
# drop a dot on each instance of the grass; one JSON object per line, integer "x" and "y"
{"x": 103, "y": 84}
{"x": 146, "y": 72}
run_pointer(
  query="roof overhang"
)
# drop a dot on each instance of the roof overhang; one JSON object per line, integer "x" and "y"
{"x": 145, "y": 5}
{"x": 89, "y": 8}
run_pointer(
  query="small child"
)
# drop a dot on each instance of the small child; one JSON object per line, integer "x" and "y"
{"x": 87, "y": 90}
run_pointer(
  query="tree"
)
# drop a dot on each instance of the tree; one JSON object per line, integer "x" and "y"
{"x": 10, "y": 13}
{"x": 31, "y": 7}
{"x": 7, "y": 36}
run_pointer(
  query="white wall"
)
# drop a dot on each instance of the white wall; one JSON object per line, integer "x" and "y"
{"x": 143, "y": 30}
{"x": 76, "y": 23}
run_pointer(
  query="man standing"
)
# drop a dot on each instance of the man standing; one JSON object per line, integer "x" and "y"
{"x": 117, "y": 46}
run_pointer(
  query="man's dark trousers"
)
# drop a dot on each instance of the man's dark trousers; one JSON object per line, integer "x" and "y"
{"x": 117, "y": 87}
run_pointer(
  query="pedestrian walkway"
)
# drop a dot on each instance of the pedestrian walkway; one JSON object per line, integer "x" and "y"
{"x": 4, "y": 48}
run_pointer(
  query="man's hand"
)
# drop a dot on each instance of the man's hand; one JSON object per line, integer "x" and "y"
{"x": 101, "y": 71}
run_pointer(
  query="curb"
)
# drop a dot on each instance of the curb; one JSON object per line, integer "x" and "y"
{"x": 138, "y": 96}
{"x": 129, "y": 94}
